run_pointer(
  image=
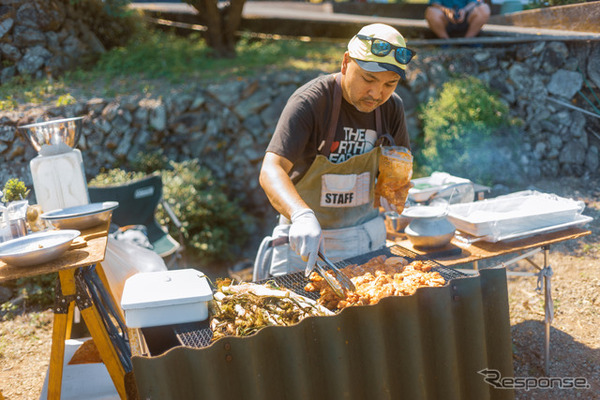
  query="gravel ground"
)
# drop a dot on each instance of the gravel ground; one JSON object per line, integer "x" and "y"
{"x": 24, "y": 354}
{"x": 575, "y": 337}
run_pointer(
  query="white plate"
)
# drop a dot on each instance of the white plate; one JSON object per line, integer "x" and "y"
{"x": 37, "y": 248}
{"x": 81, "y": 217}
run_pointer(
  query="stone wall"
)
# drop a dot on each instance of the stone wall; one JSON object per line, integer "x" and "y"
{"x": 538, "y": 81}
{"x": 228, "y": 125}
{"x": 42, "y": 38}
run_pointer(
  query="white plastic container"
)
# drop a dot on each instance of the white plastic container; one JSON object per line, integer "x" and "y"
{"x": 165, "y": 298}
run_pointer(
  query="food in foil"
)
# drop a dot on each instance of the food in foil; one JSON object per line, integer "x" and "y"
{"x": 395, "y": 172}
{"x": 377, "y": 278}
{"x": 242, "y": 309}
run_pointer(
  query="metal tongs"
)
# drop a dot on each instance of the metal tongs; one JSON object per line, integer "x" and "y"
{"x": 341, "y": 284}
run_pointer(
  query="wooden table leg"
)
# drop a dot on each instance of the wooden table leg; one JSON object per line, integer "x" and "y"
{"x": 70, "y": 314}
{"x": 60, "y": 329}
{"x": 57, "y": 355}
{"x": 105, "y": 348}
{"x": 65, "y": 300}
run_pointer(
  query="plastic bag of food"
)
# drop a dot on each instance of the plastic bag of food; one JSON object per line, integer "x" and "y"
{"x": 395, "y": 173}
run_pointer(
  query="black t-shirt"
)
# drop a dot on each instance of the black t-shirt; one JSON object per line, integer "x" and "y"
{"x": 304, "y": 121}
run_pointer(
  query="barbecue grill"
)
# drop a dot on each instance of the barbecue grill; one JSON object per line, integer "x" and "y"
{"x": 200, "y": 335}
{"x": 430, "y": 345}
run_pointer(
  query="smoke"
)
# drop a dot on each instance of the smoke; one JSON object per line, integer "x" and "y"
{"x": 483, "y": 157}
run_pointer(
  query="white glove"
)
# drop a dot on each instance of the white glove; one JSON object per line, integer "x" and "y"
{"x": 306, "y": 237}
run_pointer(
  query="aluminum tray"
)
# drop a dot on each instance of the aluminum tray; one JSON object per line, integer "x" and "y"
{"x": 579, "y": 221}
{"x": 37, "y": 248}
{"x": 513, "y": 213}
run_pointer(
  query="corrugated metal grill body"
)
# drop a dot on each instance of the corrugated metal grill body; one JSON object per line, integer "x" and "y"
{"x": 430, "y": 345}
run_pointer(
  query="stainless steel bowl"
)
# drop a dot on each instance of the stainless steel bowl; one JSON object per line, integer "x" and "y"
{"x": 81, "y": 217}
{"x": 53, "y": 137}
{"x": 37, "y": 248}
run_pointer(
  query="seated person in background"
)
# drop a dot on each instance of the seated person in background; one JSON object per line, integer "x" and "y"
{"x": 456, "y": 16}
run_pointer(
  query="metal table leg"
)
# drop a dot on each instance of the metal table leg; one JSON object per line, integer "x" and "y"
{"x": 546, "y": 273}
{"x": 543, "y": 284}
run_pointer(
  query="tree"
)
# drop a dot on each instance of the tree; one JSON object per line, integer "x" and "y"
{"x": 222, "y": 19}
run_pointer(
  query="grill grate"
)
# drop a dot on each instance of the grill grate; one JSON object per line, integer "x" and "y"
{"x": 196, "y": 334}
{"x": 200, "y": 335}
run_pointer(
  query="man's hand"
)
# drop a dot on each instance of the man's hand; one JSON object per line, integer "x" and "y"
{"x": 449, "y": 13}
{"x": 305, "y": 236}
{"x": 459, "y": 16}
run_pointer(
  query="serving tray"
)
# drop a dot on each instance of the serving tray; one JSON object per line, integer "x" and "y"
{"x": 515, "y": 213}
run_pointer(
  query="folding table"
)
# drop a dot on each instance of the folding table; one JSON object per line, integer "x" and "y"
{"x": 458, "y": 252}
{"x": 81, "y": 284}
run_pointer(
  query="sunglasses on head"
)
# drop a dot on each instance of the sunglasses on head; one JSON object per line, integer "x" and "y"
{"x": 381, "y": 48}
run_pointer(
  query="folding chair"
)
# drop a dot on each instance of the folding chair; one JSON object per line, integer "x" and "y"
{"x": 138, "y": 201}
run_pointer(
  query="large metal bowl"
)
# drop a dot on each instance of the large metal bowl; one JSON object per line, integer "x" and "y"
{"x": 37, "y": 248}
{"x": 81, "y": 217}
{"x": 53, "y": 137}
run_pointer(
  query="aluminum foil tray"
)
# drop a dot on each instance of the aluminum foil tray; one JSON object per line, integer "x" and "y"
{"x": 517, "y": 212}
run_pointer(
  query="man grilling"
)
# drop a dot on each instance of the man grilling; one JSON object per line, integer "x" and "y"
{"x": 320, "y": 167}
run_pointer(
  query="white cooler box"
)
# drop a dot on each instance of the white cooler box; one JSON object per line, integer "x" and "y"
{"x": 165, "y": 298}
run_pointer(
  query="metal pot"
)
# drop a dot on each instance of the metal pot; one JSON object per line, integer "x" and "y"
{"x": 429, "y": 227}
